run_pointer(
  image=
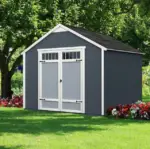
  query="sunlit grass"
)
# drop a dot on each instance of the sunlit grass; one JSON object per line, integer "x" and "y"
{"x": 22, "y": 129}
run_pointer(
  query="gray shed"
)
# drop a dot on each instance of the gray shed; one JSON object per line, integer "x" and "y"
{"x": 73, "y": 70}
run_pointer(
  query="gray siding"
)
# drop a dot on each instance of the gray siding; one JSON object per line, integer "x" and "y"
{"x": 92, "y": 70}
{"x": 123, "y": 78}
{"x": 93, "y": 82}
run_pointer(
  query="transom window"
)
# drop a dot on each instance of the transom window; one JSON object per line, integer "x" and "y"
{"x": 49, "y": 56}
{"x": 71, "y": 55}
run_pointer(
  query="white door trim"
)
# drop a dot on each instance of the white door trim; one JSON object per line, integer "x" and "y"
{"x": 64, "y": 49}
{"x": 59, "y": 51}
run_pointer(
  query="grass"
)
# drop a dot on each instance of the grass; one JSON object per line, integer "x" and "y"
{"x": 22, "y": 129}
{"x": 146, "y": 98}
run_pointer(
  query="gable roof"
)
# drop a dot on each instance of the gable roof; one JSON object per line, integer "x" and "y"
{"x": 101, "y": 41}
{"x": 107, "y": 41}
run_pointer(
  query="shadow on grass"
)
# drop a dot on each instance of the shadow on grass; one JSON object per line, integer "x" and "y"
{"x": 36, "y": 122}
{"x": 12, "y": 147}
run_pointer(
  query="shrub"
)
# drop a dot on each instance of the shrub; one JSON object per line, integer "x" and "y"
{"x": 16, "y": 101}
{"x": 138, "y": 110}
{"x": 17, "y": 83}
{"x": 146, "y": 81}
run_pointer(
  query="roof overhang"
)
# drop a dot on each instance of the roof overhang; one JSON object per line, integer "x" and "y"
{"x": 126, "y": 51}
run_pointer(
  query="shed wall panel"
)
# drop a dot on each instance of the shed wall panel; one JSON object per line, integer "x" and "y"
{"x": 123, "y": 78}
{"x": 92, "y": 70}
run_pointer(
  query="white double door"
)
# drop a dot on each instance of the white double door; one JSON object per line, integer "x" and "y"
{"x": 61, "y": 80}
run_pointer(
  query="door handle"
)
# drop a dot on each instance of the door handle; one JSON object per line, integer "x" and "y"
{"x": 60, "y": 80}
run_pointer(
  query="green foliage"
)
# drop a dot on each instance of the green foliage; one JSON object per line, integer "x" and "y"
{"x": 20, "y": 25}
{"x": 0, "y": 83}
{"x": 17, "y": 83}
{"x": 146, "y": 81}
{"x": 23, "y": 22}
{"x": 136, "y": 32}
{"x": 127, "y": 20}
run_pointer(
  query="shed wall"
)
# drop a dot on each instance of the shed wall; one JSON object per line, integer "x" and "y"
{"x": 123, "y": 78}
{"x": 92, "y": 70}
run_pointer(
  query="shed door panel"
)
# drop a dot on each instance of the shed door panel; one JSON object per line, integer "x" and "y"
{"x": 50, "y": 104}
{"x": 71, "y": 106}
{"x": 50, "y": 80}
{"x": 71, "y": 80}
{"x": 72, "y": 100}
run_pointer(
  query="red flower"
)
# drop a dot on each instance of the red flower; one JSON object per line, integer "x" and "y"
{"x": 109, "y": 110}
{"x": 16, "y": 101}
{"x": 4, "y": 103}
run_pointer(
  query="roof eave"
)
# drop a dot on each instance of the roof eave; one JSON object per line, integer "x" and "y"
{"x": 132, "y": 52}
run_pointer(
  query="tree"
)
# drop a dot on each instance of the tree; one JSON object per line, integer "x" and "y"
{"x": 136, "y": 30}
{"x": 23, "y": 22}
{"x": 19, "y": 25}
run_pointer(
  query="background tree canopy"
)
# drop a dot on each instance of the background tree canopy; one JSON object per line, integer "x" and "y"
{"x": 23, "y": 22}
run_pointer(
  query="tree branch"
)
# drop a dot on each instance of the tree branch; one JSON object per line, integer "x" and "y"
{"x": 126, "y": 10}
{"x": 25, "y": 41}
{"x": 11, "y": 54}
{"x": 7, "y": 44}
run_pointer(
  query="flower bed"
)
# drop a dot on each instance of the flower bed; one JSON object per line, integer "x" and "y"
{"x": 138, "y": 110}
{"x": 16, "y": 101}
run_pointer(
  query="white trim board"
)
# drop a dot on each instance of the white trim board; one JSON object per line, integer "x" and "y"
{"x": 24, "y": 80}
{"x": 64, "y": 28}
{"x": 130, "y": 52}
{"x": 62, "y": 49}
{"x": 102, "y": 83}
{"x": 59, "y": 29}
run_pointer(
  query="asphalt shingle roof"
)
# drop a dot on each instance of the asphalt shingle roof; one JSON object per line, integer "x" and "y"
{"x": 105, "y": 40}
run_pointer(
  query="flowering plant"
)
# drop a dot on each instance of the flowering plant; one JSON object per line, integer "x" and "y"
{"x": 16, "y": 101}
{"x": 137, "y": 110}
{"x": 114, "y": 112}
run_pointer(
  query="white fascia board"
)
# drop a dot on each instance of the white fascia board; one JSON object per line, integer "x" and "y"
{"x": 39, "y": 40}
{"x": 83, "y": 37}
{"x": 64, "y": 28}
{"x": 59, "y": 29}
{"x": 131, "y": 52}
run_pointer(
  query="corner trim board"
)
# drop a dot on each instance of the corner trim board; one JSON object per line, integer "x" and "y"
{"x": 102, "y": 82}
{"x": 24, "y": 80}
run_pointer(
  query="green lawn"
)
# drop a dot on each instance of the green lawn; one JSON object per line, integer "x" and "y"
{"x": 146, "y": 99}
{"x": 22, "y": 129}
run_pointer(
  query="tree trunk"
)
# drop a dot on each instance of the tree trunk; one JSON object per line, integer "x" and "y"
{"x": 6, "y": 84}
